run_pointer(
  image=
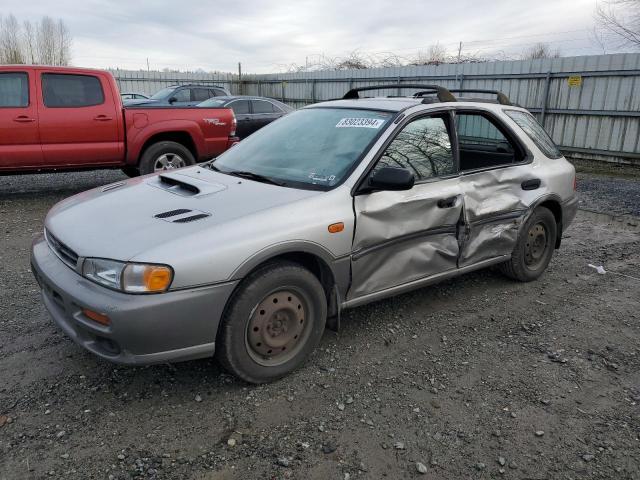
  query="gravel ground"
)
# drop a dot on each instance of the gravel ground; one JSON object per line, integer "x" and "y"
{"x": 620, "y": 196}
{"x": 478, "y": 377}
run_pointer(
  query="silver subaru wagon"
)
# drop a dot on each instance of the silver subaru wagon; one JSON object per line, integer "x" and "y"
{"x": 250, "y": 256}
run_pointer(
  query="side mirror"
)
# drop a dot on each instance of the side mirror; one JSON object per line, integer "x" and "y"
{"x": 173, "y": 100}
{"x": 390, "y": 178}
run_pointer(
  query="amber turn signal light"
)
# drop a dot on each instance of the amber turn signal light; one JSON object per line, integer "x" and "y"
{"x": 96, "y": 317}
{"x": 336, "y": 227}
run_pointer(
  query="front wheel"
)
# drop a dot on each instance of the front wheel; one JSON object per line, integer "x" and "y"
{"x": 534, "y": 248}
{"x": 273, "y": 322}
{"x": 165, "y": 155}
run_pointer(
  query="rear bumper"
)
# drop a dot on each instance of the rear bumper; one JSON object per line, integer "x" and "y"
{"x": 569, "y": 211}
{"x": 144, "y": 329}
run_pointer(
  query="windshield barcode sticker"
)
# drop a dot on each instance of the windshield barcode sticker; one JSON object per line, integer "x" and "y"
{"x": 360, "y": 123}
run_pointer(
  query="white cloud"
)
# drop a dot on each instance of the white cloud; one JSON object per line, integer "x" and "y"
{"x": 266, "y": 34}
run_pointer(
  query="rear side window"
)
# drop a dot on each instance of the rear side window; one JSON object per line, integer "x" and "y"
{"x": 423, "y": 147}
{"x": 63, "y": 90}
{"x": 260, "y": 106}
{"x": 216, "y": 92}
{"x": 482, "y": 143}
{"x": 14, "y": 89}
{"x": 536, "y": 133}
{"x": 240, "y": 107}
{"x": 200, "y": 94}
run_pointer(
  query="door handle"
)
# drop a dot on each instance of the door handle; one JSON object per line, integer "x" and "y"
{"x": 24, "y": 119}
{"x": 532, "y": 184}
{"x": 447, "y": 202}
{"x": 102, "y": 118}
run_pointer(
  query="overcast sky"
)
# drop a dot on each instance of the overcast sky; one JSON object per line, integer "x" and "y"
{"x": 268, "y": 35}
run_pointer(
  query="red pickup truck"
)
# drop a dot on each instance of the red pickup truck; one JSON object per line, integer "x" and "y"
{"x": 62, "y": 118}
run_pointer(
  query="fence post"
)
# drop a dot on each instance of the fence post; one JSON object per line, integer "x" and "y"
{"x": 313, "y": 91}
{"x": 545, "y": 97}
{"x": 259, "y": 88}
{"x": 399, "y": 89}
{"x": 460, "y": 82}
{"x": 282, "y": 88}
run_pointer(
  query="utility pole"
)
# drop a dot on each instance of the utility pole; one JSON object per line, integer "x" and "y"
{"x": 459, "y": 52}
{"x": 240, "y": 78}
{"x": 147, "y": 64}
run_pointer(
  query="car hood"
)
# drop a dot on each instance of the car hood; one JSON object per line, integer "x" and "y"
{"x": 122, "y": 219}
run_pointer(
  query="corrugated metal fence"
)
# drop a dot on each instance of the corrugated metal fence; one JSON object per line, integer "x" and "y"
{"x": 149, "y": 82}
{"x": 590, "y": 105}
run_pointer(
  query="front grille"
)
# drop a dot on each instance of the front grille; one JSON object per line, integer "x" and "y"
{"x": 65, "y": 254}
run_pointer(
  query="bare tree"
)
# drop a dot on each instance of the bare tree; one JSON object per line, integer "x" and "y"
{"x": 10, "y": 42}
{"x": 540, "y": 50}
{"x": 621, "y": 18}
{"x": 46, "y": 42}
{"x": 30, "y": 42}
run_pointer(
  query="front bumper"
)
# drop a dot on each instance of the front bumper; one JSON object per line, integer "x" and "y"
{"x": 144, "y": 329}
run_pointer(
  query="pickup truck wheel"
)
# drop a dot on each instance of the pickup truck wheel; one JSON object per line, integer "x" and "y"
{"x": 165, "y": 156}
{"x": 272, "y": 323}
{"x": 534, "y": 248}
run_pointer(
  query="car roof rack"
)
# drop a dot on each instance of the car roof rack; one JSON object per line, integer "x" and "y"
{"x": 501, "y": 97}
{"x": 442, "y": 93}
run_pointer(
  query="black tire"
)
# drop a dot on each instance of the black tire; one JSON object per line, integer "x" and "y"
{"x": 529, "y": 258}
{"x": 239, "y": 348}
{"x": 130, "y": 171}
{"x": 171, "y": 150}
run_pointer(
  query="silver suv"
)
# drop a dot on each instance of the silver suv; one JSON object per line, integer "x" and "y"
{"x": 333, "y": 206}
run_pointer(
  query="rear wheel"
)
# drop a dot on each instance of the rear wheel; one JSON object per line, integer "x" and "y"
{"x": 165, "y": 156}
{"x": 534, "y": 248}
{"x": 273, "y": 322}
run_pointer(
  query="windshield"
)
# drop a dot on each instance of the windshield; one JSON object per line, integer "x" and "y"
{"x": 212, "y": 102}
{"x": 162, "y": 93}
{"x": 312, "y": 148}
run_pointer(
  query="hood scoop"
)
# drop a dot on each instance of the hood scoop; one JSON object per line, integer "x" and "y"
{"x": 182, "y": 215}
{"x": 185, "y": 185}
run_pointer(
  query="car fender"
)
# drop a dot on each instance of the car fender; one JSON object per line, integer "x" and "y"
{"x": 138, "y": 137}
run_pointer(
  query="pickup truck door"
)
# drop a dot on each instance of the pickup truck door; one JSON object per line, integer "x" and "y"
{"x": 19, "y": 141}
{"x": 404, "y": 236}
{"x": 80, "y": 120}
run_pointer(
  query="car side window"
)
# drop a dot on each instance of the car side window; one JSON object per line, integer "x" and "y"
{"x": 536, "y": 133}
{"x": 260, "y": 106}
{"x": 14, "y": 89}
{"x": 182, "y": 95}
{"x": 483, "y": 143}
{"x": 216, "y": 92}
{"x": 423, "y": 147}
{"x": 240, "y": 107}
{"x": 62, "y": 90}
{"x": 200, "y": 94}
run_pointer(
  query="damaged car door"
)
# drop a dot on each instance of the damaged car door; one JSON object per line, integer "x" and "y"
{"x": 403, "y": 236}
{"x": 495, "y": 173}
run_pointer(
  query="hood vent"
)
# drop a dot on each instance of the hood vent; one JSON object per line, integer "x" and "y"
{"x": 182, "y": 215}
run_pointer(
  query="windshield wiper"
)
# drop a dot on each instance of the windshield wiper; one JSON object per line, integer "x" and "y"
{"x": 253, "y": 176}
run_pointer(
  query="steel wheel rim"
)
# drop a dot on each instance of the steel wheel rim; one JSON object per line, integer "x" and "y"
{"x": 278, "y": 327}
{"x": 536, "y": 245}
{"x": 168, "y": 161}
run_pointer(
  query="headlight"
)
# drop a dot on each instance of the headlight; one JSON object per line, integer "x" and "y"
{"x": 128, "y": 277}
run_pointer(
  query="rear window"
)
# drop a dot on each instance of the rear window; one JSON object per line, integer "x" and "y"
{"x": 536, "y": 133}
{"x": 64, "y": 90}
{"x": 14, "y": 89}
